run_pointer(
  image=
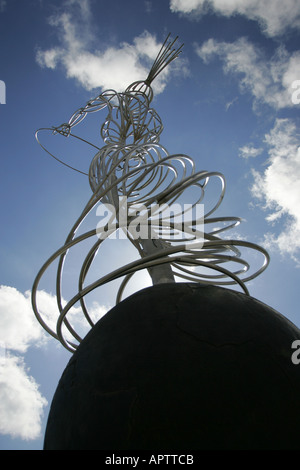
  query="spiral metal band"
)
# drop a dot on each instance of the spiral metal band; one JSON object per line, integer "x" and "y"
{"x": 133, "y": 165}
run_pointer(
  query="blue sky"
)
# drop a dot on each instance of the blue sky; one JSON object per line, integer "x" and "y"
{"x": 232, "y": 103}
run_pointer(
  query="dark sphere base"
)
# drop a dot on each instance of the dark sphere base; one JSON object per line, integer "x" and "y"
{"x": 181, "y": 367}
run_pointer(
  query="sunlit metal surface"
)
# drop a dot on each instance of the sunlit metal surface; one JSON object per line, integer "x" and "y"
{"x": 133, "y": 167}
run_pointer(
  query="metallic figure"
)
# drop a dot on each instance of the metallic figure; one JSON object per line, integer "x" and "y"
{"x": 135, "y": 175}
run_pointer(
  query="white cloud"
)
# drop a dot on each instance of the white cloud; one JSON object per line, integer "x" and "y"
{"x": 249, "y": 151}
{"x": 278, "y": 187}
{"x": 49, "y": 58}
{"x": 19, "y": 328}
{"x": 185, "y": 6}
{"x": 84, "y": 7}
{"x": 21, "y": 403}
{"x": 48, "y": 309}
{"x": 113, "y": 67}
{"x": 274, "y": 16}
{"x": 268, "y": 80}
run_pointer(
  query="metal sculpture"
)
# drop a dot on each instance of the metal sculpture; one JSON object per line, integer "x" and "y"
{"x": 137, "y": 178}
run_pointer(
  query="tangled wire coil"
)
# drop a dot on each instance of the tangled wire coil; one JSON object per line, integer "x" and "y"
{"x": 136, "y": 179}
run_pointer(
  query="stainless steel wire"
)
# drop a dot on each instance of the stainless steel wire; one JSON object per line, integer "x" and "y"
{"x": 134, "y": 167}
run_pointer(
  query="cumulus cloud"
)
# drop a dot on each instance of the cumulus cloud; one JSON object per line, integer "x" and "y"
{"x": 113, "y": 67}
{"x": 274, "y": 16}
{"x": 49, "y": 312}
{"x": 270, "y": 81}
{"x": 18, "y": 326}
{"x": 21, "y": 403}
{"x": 278, "y": 187}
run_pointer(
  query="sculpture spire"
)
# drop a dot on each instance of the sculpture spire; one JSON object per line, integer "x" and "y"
{"x": 165, "y": 56}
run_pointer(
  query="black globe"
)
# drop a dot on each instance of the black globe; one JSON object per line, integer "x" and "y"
{"x": 181, "y": 366}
